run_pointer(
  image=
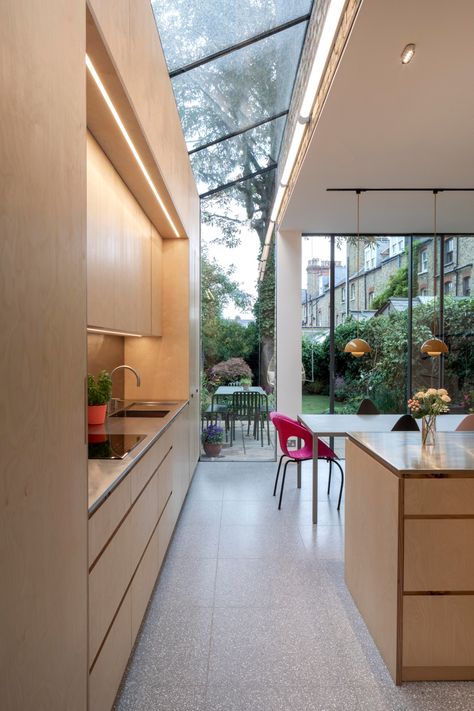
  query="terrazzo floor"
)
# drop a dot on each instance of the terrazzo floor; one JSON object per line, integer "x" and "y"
{"x": 250, "y": 612}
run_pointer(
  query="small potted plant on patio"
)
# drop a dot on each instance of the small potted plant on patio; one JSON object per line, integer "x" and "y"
{"x": 99, "y": 391}
{"x": 246, "y": 383}
{"x": 212, "y": 438}
{"x": 428, "y": 404}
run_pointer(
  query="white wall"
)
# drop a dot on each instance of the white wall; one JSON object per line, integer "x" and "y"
{"x": 288, "y": 322}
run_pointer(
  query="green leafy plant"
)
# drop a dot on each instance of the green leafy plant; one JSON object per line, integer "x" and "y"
{"x": 245, "y": 381}
{"x": 99, "y": 390}
{"x": 213, "y": 434}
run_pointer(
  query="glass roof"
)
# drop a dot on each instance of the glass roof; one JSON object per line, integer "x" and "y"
{"x": 233, "y": 65}
{"x": 238, "y": 156}
{"x": 192, "y": 29}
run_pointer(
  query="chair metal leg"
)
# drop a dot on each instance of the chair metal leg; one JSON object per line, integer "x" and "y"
{"x": 342, "y": 483}
{"x": 278, "y": 474}
{"x": 283, "y": 481}
{"x": 330, "y": 474}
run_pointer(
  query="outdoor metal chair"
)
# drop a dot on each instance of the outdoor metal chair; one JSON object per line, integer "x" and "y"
{"x": 245, "y": 406}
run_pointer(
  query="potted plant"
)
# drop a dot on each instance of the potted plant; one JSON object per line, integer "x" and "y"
{"x": 428, "y": 404}
{"x": 246, "y": 383}
{"x": 212, "y": 438}
{"x": 98, "y": 394}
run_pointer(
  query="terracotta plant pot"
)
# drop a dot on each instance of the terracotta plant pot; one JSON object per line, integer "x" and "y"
{"x": 212, "y": 449}
{"x": 96, "y": 414}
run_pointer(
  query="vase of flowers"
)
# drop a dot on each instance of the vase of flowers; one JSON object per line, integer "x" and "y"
{"x": 427, "y": 405}
{"x": 212, "y": 438}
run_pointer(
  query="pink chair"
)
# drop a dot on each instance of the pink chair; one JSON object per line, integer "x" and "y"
{"x": 467, "y": 424}
{"x": 288, "y": 428}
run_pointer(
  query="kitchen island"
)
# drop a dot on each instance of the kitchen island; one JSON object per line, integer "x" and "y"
{"x": 409, "y": 553}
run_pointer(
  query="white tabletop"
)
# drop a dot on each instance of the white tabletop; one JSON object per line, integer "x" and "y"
{"x": 340, "y": 425}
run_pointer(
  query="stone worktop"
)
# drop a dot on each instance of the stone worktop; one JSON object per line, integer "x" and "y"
{"x": 105, "y": 474}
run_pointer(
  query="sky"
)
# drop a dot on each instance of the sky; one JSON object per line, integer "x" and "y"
{"x": 244, "y": 258}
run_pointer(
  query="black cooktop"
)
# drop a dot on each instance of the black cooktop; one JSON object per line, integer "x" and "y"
{"x": 112, "y": 446}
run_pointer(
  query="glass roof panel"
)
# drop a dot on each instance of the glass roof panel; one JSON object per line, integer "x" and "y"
{"x": 248, "y": 202}
{"x": 238, "y": 156}
{"x": 240, "y": 88}
{"x": 192, "y": 29}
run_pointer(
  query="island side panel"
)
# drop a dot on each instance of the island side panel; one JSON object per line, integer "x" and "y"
{"x": 372, "y": 549}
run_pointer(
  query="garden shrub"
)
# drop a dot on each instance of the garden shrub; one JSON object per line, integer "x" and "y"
{"x": 229, "y": 371}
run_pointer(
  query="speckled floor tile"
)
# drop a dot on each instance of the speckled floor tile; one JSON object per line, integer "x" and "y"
{"x": 323, "y": 542}
{"x": 267, "y": 647}
{"x": 268, "y": 582}
{"x": 186, "y": 582}
{"x": 418, "y": 696}
{"x": 257, "y": 513}
{"x": 201, "y": 513}
{"x": 195, "y": 540}
{"x": 260, "y": 542}
{"x": 172, "y": 647}
{"x": 149, "y": 696}
{"x": 283, "y": 696}
{"x": 271, "y": 627}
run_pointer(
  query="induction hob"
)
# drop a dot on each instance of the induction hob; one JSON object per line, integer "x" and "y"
{"x": 112, "y": 446}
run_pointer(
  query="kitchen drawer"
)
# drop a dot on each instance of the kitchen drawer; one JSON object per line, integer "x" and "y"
{"x": 143, "y": 519}
{"x": 108, "y": 670}
{"x": 108, "y": 581}
{"x": 165, "y": 529}
{"x": 105, "y": 520}
{"x": 439, "y": 555}
{"x": 165, "y": 480}
{"x": 143, "y": 583}
{"x": 147, "y": 465}
{"x": 438, "y": 631}
{"x": 439, "y": 497}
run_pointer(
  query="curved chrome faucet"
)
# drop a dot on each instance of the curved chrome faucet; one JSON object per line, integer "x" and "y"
{"x": 128, "y": 367}
{"x": 116, "y": 400}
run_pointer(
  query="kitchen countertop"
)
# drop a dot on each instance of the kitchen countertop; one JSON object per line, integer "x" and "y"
{"x": 402, "y": 453}
{"x": 105, "y": 474}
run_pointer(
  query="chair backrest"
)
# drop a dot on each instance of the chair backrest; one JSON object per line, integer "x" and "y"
{"x": 367, "y": 407}
{"x": 245, "y": 403}
{"x": 288, "y": 428}
{"x": 467, "y": 424}
{"x": 406, "y": 423}
{"x": 324, "y": 450}
{"x": 234, "y": 383}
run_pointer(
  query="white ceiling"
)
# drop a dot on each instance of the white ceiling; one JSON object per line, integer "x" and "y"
{"x": 394, "y": 126}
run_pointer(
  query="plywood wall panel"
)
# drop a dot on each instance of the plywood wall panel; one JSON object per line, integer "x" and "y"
{"x": 43, "y": 457}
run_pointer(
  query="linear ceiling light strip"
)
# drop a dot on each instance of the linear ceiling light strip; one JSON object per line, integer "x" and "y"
{"x": 240, "y": 45}
{"x": 239, "y": 132}
{"x": 111, "y": 332}
{"x": 129, "y": 141}
{"x": 331, "y": 22}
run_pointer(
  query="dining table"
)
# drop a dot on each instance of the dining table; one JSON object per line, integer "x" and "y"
{"x": 334, "y": 425}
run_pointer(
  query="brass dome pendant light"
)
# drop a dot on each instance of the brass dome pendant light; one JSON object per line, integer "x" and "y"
{"x": 357, "y": 347}
{"x": 434, "y": 347}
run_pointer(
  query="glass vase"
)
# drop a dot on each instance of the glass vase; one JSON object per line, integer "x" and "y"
{"x": 428, "y": 430}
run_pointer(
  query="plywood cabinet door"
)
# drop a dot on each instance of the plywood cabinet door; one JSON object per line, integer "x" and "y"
{"x": 118, "y": 250}
{"x": 156, "y": 282}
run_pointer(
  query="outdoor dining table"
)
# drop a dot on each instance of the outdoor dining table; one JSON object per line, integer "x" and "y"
{"x": 340, "y": 425}
{"x": 224, "y": 390}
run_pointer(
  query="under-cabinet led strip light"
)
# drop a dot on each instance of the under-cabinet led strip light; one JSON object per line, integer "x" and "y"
{"x": 110, "y": 332}
{"x": 331, "y": 23}
{"x": 129, "y": 141}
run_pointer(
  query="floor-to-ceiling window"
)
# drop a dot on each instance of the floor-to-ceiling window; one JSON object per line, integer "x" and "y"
{"x": 395, "y": 292}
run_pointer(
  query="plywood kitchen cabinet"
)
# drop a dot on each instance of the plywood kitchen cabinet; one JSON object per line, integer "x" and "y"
{"x": 119, "y": 251}
{"x": 129, "y": 535}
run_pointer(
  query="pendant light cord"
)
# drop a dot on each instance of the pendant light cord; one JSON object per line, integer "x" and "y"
{"x": 358, "y": 259}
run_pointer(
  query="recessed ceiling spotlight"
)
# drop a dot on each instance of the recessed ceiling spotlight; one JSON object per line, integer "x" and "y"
{"x": 408, "y": 53}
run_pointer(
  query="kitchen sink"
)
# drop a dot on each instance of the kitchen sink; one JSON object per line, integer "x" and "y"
{"x": 134, "y": 411}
